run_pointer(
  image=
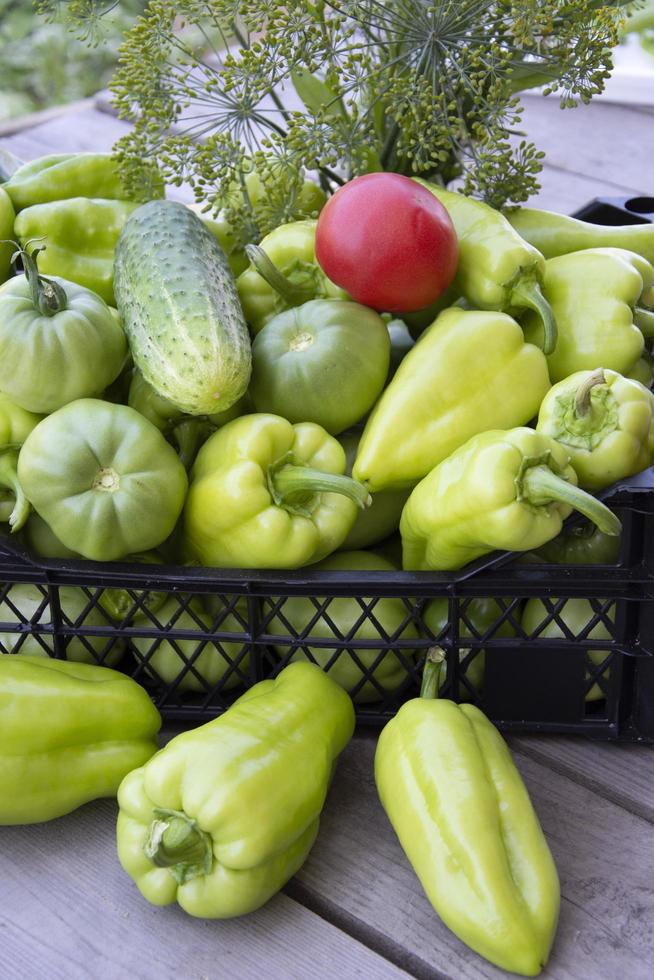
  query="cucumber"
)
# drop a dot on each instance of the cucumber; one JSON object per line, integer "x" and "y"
{"x": 180, "y": 309}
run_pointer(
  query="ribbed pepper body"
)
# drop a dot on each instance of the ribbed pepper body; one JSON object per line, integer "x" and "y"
{"x": 80, "y": 236}
{"x": 464, "y": 819}
{"x": 594, "y": 295}
{"x": 69, "y": 733}
{"x": 605, "y": 421}
{"x": 253, "y": 782}
{"x": 471, "y": 371}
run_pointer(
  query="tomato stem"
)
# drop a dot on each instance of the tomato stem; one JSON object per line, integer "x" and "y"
{"x": 48, "y": 296}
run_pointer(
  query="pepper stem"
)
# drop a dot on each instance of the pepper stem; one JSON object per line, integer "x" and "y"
{"x": 9, "y": 478}
{"x": 584, "y": 391}
{"x": 539, "y": 486}
{"x": 527, "y": 293}
{"x": 287, "y": 480}
{"x": 431, "y": 674}
{"x": 293, "y": 294}
{"x": 48, "y": 296}
{"x": 176, "y": 842}
{"x": 644, "y": 320}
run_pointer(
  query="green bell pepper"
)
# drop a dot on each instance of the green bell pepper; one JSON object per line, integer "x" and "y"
{"x": 469, "y": 372}
{"x": 502, "y": 490}
{"x": 268, "y": 494}
{"x": 605, "y": 421}
{"x": 173, "y": 661}
{"x": 225, "y": 814}
{"x": 497, "y": 269}
{"x": 58, "y": 340}
{"x": 582, "y": 544}
{"x": 69, "y": 733}
{"x": 80, "y": 236}
{"x": 575, "y": 615}
{"x": 61, "y": 176}
{"x": 324, "y": 362}
{"x": 463, "y": 816}
{"x": 599, "y": 298}
{"x": 477, "y": 620}
{"x": 366, "y": 673}
{"x": 7, "y": 218}
{"x": 557, "y": 234}
{"x": 283, "y": 273}
{"x": 103, "y": 478}
{"x": 27, "y": 603}
{"x": 382, "y": 517}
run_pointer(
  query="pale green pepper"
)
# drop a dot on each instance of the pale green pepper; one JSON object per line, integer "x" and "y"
{"x": 463, "y": 816}
{"x": 605, "y": 421}
{"x": 225, "y": 814}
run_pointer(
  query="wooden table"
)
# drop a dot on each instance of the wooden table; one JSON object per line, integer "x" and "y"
{"x": 68, "y": 912}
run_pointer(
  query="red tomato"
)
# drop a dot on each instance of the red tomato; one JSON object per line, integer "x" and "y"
{"x": 388, "y": 242}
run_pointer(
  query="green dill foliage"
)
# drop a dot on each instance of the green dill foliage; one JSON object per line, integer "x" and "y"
{"x": 217, "y": 88}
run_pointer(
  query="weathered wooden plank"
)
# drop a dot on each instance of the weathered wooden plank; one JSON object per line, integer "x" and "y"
{"x": 567, "y": 192}
{"x": 19, "y": 123}
{"x": 621, "y": 773}
{"x": 81, "y": 130}
{"x": 358, "y": 874}
{"x": 69, "y": 912}
{"x": 610, "y": 143}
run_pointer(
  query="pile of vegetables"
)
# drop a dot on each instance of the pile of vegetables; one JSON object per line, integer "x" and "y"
{"x": 409, "y": 360}
{"x": 154, "y": 399}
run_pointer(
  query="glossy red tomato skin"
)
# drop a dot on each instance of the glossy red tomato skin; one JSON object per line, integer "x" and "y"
{"x": 388, "y": 242}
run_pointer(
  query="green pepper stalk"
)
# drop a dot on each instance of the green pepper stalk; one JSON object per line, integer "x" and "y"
{"x": 605, "y": 421}
{"x": 457, "y": 803}
{"x": 287, "y": 482}
{"x": 431, "y": 674}
{"x": 497, "y": 269}
{"x": 528, "y": 490}
{"x": 176, "y": 842}
{"x": 293, "y": 294}
{"x": 599, "y": 298}
{"x": 283, "y": 273}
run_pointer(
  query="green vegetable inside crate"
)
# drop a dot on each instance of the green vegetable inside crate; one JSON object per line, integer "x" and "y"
{"x": 194, "y": 664}
{"x": 25, "y": 604}
{"x": 387, "y": 622}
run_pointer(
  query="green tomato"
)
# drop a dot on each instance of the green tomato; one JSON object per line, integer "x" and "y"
{"x": 168, "y": 660}
{"x": 325, "y": 362}
{"x": 344, "y": 612}
{"x": 27, "y": 603}
{"x": 382, "y": 517}
{"x": 48, "y": 360}
{"x": 103, "y": 478}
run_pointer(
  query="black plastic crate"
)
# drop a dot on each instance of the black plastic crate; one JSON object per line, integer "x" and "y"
{"x": 197, "y": 637}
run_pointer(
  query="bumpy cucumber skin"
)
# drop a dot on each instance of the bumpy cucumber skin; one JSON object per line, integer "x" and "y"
{"x": 180, "y": 308}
